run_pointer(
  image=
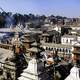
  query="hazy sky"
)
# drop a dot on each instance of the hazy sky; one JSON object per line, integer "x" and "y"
{"x": 70, "y": 8}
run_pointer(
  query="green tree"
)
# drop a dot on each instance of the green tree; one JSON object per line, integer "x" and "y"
{"x": 2, "y": 21}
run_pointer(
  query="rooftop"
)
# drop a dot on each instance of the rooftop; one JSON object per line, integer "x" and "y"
{"x": 51, "y": 45}
{"x": 69, "y": 36}
{"x": 4, "y": 53}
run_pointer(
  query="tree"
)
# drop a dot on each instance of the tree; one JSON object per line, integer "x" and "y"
{"x": 43, "y": 17}
{"x": 18, "y": 18}
{"x": 2, "y": 21}
{"x": 26, "y": 18}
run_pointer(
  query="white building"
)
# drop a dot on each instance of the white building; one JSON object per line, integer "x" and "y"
{"x": 73, "y": 32}
{"x": 57, "y": 28}
{"x": 78, "y": 38}
{"x": 68, "y": 39}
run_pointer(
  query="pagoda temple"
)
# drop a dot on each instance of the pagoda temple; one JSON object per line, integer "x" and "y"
{"x": 35, "y": 69}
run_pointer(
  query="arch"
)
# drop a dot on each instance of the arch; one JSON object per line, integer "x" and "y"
{"x": 66, "y": 50}
{"x": 57, "y": 49}
{"x": 60, "y": 49}
{"x": 51, "y": 48}
{"x": 46, "y": 48}
{"x": 63, "y": 50}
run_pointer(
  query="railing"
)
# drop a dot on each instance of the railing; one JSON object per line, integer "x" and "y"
{"x": 6, "y": 46}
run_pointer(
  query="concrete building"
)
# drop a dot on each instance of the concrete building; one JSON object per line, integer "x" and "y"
{"x": 57, "y": 28}
{"x": 12, "y": 59}
{"x": 5, "y": 66}
{"x": 65, "y": 49}
{"x": 73, "y": 32}
{"x": 68, "y": 39}
{"x": 51, "y": 37}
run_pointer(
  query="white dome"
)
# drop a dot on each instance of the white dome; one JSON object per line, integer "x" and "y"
{"x": 74, "y": 74}
{"x": 74, "y": 70}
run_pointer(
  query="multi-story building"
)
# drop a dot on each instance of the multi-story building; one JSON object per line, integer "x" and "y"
{"x": 51, "y": 37}
{"x": 68, "y": 39}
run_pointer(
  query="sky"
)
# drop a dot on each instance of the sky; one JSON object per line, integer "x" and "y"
{"x": 68, "y": 8}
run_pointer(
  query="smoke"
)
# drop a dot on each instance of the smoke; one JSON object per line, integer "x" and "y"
{"x": 9, "y": 20}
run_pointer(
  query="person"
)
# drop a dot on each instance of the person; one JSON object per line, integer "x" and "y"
{"x": 1, "y": 74}
{"x": 56, "y": 58}
{"x": 8, "y": 75}
{"x": 13, "y": 48}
